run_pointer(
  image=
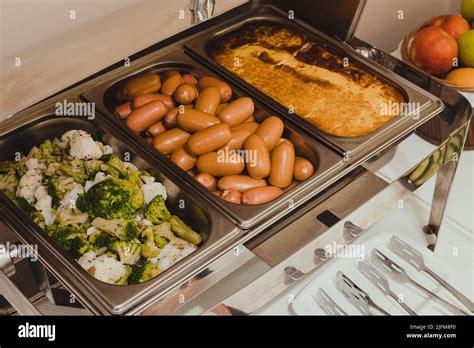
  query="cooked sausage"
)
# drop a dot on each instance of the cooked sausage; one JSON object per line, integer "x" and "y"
{"x": 193, "y": 120}
{"x": 220, "y": 107}
{"x": 303, "y": 169}
{"x": 250, "y": 126}
{"x": 123, "y": 110}
{"x": 172, "y": 80}
{"x": 217, "y": 193}
{"x": 283, "y": 161}
{"x": 250, "y": 119}
{"x": 271, "y": 130}
{"x": 141, "y": 84}
{"x": 209, "y": 81}
{"x": 189, "y": 79}
{"x": 171, "y": 117}
{"x": 258, "y": 160}
{"x": 156, "y": 129}
{"x": 183, "y": 159}
{"x": 207, "y": 180}
{"x": 286, "y": 141}
{"x": 170, "y": 140}
{"x": 143, "y": 99}
{"x": 216, "y": 164}
{"x": 149, "y": 140}
{"x": 232, "y": 196}
{"x": 185, "y": 94}
{"x": 237, "y": 140}
{"x": 208, "y": 100}
{"x": 240, "y": 183}
{"x": 146, "y": 116}
{"x": 260, "y": 195}
{"x": 208, "y": 139}
{"x": 237, "y": 111}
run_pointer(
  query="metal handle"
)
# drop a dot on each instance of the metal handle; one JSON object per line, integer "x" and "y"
{"x": 406, "y": 307}
{"x": 463, "y": 299}
{"x": 15, "y": 297}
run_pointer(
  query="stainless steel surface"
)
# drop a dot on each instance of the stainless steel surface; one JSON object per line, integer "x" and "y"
{"x": 356, "y": 296}
{"x": 201, "y": 10}
{"x": 401, "y": 276}
{"x": 414, "y": 257}
{"x": 327, "y": 303}
{"x": 429, "y": 105}
{"x": 325, "y": 161}
{"x": 100, "y": 297}
{"x": 380, "y": 281}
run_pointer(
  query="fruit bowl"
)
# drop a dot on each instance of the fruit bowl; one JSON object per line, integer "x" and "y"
{"x": 405, "y": 54}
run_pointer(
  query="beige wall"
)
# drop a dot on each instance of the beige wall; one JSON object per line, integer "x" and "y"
{"x": 380, "y": 26}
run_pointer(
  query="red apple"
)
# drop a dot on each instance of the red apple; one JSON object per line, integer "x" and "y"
{"x": 452, "y": 24}
{"x": 433, "y": 50}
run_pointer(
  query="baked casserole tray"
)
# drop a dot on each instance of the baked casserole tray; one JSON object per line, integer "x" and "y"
{"x": 201, "y": 45}
{"x": 325, "y": 161}
{"x": 101, "y": 297}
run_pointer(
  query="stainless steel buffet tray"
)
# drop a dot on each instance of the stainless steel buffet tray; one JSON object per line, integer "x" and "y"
{"x": 325, "y": 160}
{"x": 201, "y": 44}
{"x": 98, "y": 296}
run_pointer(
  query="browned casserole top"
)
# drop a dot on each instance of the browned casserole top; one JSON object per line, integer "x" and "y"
{"x": 314, "y": 83}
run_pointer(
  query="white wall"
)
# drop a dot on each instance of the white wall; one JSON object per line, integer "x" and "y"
{"x": 380, "y": 25}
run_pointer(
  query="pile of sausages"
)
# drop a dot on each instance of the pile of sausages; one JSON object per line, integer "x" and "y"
{"x": 199, "y": 127}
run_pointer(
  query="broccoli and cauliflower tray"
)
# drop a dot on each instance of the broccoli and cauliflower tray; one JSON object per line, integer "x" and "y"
{"x": 106, "y": 213}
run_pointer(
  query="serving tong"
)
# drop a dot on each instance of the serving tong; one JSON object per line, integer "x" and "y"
{"x": 414, "y": 257}
{"x": 399, "y": 274}
{"x": 380, "y": 281}
{"x": 329, "y": 306}
{"x": 356, "y": 296}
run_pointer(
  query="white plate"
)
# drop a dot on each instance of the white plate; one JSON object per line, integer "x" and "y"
{"x": 419, "y": 301}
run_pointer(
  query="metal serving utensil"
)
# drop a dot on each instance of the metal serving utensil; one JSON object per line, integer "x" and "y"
{"x": 356, "y": 296}
{"x": 400, "y": 275}
{"x": 329, "y": 306}
{"x": 380, "y": 281}
{"x": 414, "y": 257}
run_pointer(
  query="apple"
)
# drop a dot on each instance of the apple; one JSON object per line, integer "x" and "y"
{"x": 452, "y": 24}
{"x": 433, "y": 50}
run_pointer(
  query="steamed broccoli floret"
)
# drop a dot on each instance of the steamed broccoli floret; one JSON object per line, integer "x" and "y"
{"x": 24, "y": 205}
{"x": 160, "y": 241}
{"x": 103, "y": 241}
{"x": 156, "y": 210}
{"x": 113, "y": 166}
{"x": 92, "y": 167}
{"x": 134, "y": 178}
{"x": 149, "y": 248}
{"x": 70, "y": 239}
{"x": 58, "y": 186}
{"x": 50, "y": 149}
{"x": 8, "y": 166}
{"x": 39, "y": 220}
{"x": 142, "y": 271}
{"x": 111, "y": 199}
{"x": 71, "y": 216}
{"x": 118, "y": 228}
{"x": 128, "y": 251}
{"x": 123, "y": 280}
{"x": 8, "y": 182}
{"x": 76, "y": 170}
{"x": 184, "y": 231}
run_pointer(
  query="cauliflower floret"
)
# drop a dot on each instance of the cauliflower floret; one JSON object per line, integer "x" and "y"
{"x": 90, "y": 231}
{"x": 107, "y": 269}
{"x": 33, "y": 164}
{"x": 100, "y": 176}
{"x": 152, "y": 190}
{"x": 131, "y": 166}
{"x": 146, "y": 222}
{"x": 147, "y": 179}
{"x": 82, "y": 145}
{"x": 70, "y": 198}
{"x": 174, "y": 251}
{"x": 44, "y": 207}
{"x": 28, "y": 185}
{"x": 87, "y": 260}
{"x": 107, "y": 150}
{"x": 40, "y": 192}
